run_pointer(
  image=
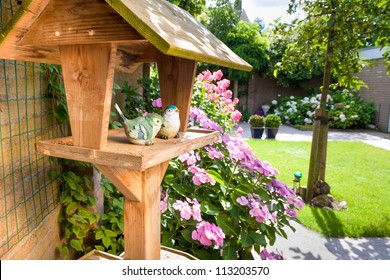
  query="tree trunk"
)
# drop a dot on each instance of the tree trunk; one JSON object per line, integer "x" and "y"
{"x": 317, "y": 165}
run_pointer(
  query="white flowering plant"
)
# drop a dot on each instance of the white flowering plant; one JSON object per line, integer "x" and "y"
{"x": 346, "y": 109}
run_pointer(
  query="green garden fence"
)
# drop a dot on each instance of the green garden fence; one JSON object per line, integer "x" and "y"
{"x": 27, "y": 193}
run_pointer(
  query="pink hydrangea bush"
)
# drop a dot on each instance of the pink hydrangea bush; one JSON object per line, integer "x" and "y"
{"x": 220, "y": 201}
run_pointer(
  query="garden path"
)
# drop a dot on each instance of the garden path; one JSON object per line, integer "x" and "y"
{"x": 369, "y": 136}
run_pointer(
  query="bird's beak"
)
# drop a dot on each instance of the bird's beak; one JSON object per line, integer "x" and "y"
{"x": 177, "y": 110}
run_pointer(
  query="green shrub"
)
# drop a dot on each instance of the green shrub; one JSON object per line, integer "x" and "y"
{"x": 272, "y": 120}
{"x": 256, "y": 121}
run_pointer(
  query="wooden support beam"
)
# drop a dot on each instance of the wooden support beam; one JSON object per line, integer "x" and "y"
{"x": 177, "y": 77}
{"x": 123, "y": 180}
{"x": 142, "y": 219}
{"x": 88, "y": 75}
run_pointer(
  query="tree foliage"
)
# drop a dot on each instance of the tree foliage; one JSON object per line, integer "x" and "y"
{"x": 281, "y": 35}
{"x": 334, "y": 31}
{"x": 241, "y": 37}
{"x": 194, "y": 7}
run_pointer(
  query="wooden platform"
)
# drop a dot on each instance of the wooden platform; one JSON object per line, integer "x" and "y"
{"x": 120, "y": 153}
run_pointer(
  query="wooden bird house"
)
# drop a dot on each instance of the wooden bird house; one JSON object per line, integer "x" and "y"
{"x": 92, "y": 38}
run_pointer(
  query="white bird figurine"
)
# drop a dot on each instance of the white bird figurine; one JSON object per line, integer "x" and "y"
{"x": 171, "y": 124}
{"x": 141, "y": 130}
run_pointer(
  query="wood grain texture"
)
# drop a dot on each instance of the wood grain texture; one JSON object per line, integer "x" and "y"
{"x": 176, "y": 76}
{"x": 142, "y": 219}
{"x": 88, "y": 72}
{"x": 123, "y": 180}
{"x": 120, "y": 153}
{"x": 78, "y": 22}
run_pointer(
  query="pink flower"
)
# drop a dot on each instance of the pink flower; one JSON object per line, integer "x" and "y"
{"x": 184, "y": 208}
{"x": 164, "y": 202}
{"x": 214, "y": 153}
{"x": 200, "y": 176}
{"x": 217, "y": 75}
{"x": 157, "y": 103}
{"x": 190, "y": 158}
{"x": 207, "y": 234}
{"x": 196, "y": 210}
{"x": 207, "y": 76}
{"x": 242, "y": 200}
{"x": 236, "y": 116}
{"x": 187, "y": 210}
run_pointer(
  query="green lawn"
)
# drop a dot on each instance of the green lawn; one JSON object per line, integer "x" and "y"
{"x": 356, "y": 172}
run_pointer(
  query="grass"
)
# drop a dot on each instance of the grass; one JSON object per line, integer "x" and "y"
{"x": 356, "y": 172}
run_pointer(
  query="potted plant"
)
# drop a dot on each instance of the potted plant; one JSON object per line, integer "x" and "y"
{"x": 272, "y": 123}
{"x": 257, "y": 125}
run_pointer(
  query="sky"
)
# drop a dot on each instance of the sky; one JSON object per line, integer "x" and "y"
{"x": 267, "y": 10}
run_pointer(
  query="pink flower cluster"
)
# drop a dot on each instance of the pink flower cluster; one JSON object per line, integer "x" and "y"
{"x": 200, "y": 176}
{"x": 241, "y": 153}
{"x": 219, "y": 93}
{"x": 293, "y": 200}
{"x": 199, "y": 117}
{"x": 257, "y": 208}
{"x": 189, "y": 208}
{"x": 207, "y": 234}
{"x": 189, "y": 158}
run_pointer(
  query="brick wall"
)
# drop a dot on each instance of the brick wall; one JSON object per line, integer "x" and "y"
{"x": 378, "y": 91}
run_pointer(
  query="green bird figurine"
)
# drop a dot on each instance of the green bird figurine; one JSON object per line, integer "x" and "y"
{"x": 171, "y": 124}
{"x": 141, "y": 130}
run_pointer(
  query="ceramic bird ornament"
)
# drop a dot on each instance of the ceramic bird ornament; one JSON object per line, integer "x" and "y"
{"x": 171, "y": 124}
{"x": 141, "y": 130}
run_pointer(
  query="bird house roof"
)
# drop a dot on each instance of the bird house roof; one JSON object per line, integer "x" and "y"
{"x": 141, "y": 29}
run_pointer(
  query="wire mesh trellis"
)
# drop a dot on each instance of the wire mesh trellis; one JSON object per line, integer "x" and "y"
{"x": 27, "y": 193}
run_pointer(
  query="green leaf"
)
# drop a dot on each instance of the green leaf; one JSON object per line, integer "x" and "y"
{"x": 168, "y": 238}
{"x": 76, "y": 244}
{"x": 106, "y": 241}
{"x": 258, "y": 238}
{"x": 187, "y": 234}
{"x": 230, "y": 251}
{"x": 100, "y": 248}
{"x": 99, "y": 235}
{"x": 226, "y": 224}
{"x": 71, "y": 208}
{"x": 201, "y": 254}
{"x": 246, "y": 240}
{"x": 217, "y": 177}
{"x": 227, "y": 205}
{"x": 209, "y": 208}
{"x": 109, "y": 233}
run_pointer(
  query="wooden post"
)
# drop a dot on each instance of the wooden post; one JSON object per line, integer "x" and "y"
{"x": 88, "y": 75}
{"x": 142, "y": 219}
{"x": 177, "y": 77}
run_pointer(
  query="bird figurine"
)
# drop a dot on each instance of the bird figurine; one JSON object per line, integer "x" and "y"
{"x": 141, "y": 130}
{"x": 171, "y": 124}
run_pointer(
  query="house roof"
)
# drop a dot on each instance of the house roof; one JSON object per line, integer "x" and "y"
{"x": 140, "y": 29}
